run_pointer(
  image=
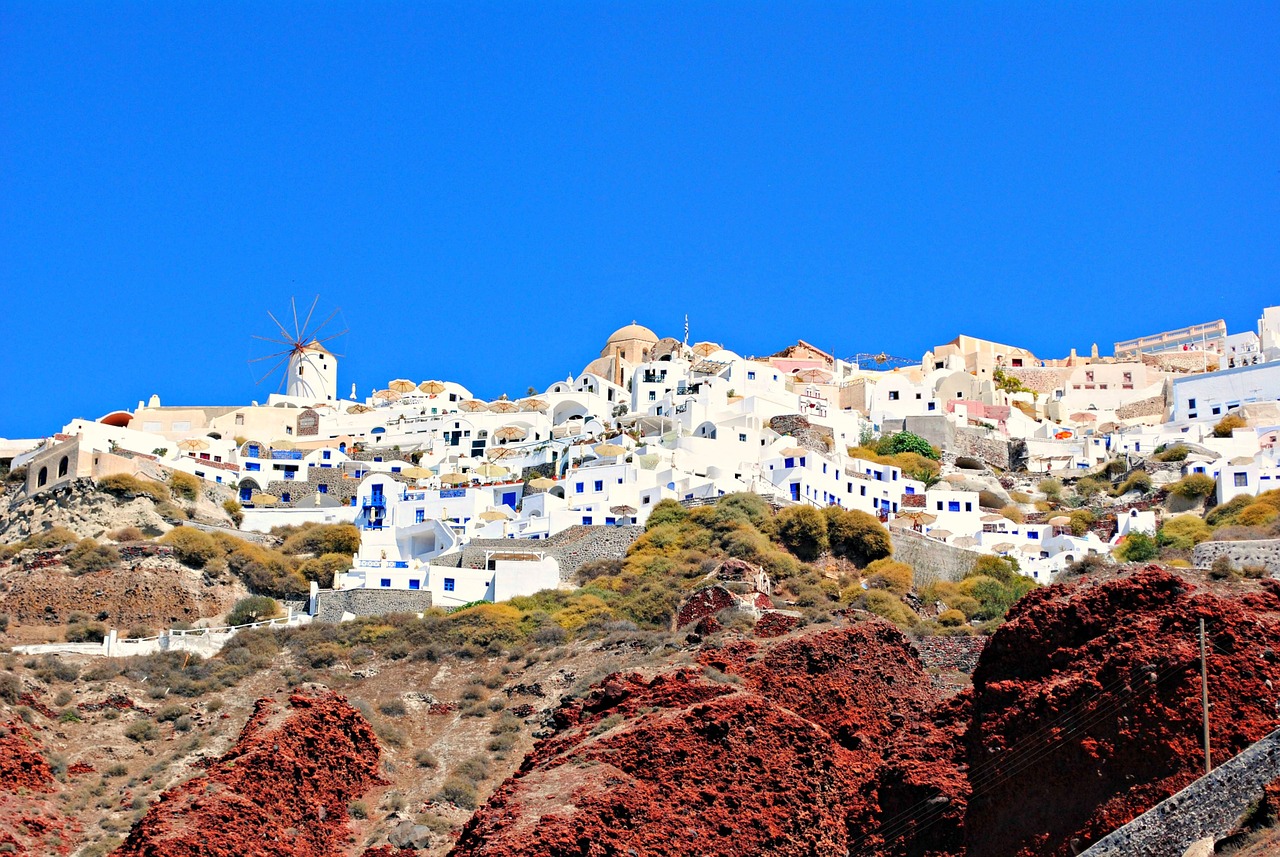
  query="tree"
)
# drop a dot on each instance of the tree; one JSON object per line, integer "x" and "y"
{"x": 858, "y": 536}
{"x": 905, "y": 441}
{"x": 255, "y": 608}
{"x": 1228, "y": 424}
{"x": 803, "y": 530}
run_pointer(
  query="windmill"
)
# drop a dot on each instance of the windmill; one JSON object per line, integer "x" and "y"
{"x": 310, "y": 368}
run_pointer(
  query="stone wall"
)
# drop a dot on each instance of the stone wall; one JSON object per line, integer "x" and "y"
{"x": 950, "y": 653}
{"x": 1207, "y": 809}
{"x": 1263, "y": 552}
{"x": 815, "y": 438}
{"x": 332, "y": 603}
{"x": 1043, "y": 380}
{"x": 982, "y": 444}
{"x": 1152, "y": 407}
{"x": 571, "y": 548}
{"x": 932, "y": 560}
{"x": 938, "y": 430}
{"x": 302, "y": 492}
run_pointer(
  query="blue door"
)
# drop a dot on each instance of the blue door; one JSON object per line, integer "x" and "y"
{"x": 509, "y": 498}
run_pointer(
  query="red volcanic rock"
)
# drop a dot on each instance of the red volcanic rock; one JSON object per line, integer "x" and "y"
{"x": 775, "y": 623}
{"x": 21, "y": 767}
{"x": 281, "y": 791}
{"x": 821, "y": 736}
{"x": 703, "y": 604}
{"x": 1086, "y": 706}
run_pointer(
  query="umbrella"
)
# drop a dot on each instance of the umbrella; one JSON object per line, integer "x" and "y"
{"x": 473, "y": 405}
{"x": 387, "y": 395}
{"x": 490, "y": 470}
{"x": 1003, "y": 547}
{"x": 1060, "y": 521}
{"x": 510, "y": 433}
{"x": 704, "y": 349}
{"x": 817, "y": 376}
{"x": 793, "y": 451}
{"x": 359, "y": 409}
{"x": 940, "y": 534}
{"x": 542, "y": 483}
{"x": 264, "y": 500}
{"x": 194, "y": 444}
{"x": 533, "y": 404}
{"x": 493, "y": 515}
{"x": 455, "y": 479}
{"x": 282, "y": 444}
{"x": 416, "y": 472}
{"x": 609, "y": 450}
{"x": 993, "y": 519}
{"x": 965, "y": 542}
{"x": 501, "y": 453}
{"x": 919, "y": 517}
{"x": 622, "y": 510}
{"x": 1083, "y": 417}
{"x": 431, "y": 387}
{"x": 503, "y": 406}
{"x": 402, "y": 385}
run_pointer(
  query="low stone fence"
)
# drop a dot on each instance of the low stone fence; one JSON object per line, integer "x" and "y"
{"x": 1263, "y": 552}
{"x": 1208, "y": 809}
{"x": 572, "y": 548}
{"x": 950, "y": 653}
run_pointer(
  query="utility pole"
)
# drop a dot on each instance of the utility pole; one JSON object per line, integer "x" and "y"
{"x": 1204, "y": 699}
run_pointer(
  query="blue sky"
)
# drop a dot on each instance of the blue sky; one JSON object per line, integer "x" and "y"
{"x": 488, "y": 190}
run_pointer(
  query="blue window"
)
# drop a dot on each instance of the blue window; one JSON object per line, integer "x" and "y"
{"x": 509, "y": 498}
{"x": 895, "y": 475}
{"x": 968, "y": 507}
{"x": 415, "y": 584}
{"x": 448, "y": 584}
{"x": 419, "y": 515}
{"x": 284, "y": 497}
{"x": 802, "y": 462}
{"x": 599, "y": 484}
{"x": 579, "y": 487}
{"x": 795, "y": 490}
{"x": 395, "y": 468}
{"x": 386, "y": 582}
{"x": 953, "y": 505}
{"x": 911, "y": 489}
{"x": 586, "y": 520}
{"x": 251, "y": 450}
{"x": 326, "y": 455}
{"x": 246, "y": 493}
{"x": 1033, "y": 534}
{"x": 864, "y": 490}
{"x": 751, "y": 376}
{"x": 323, "y": 489}
{"x": 788, "y": 462}
{"x": 377, "y": 458}
{"x": 252, "y": 465}
{"x": 609, "y": 522}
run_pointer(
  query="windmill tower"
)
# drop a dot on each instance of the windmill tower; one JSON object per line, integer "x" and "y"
{"x": 310, "y": 368}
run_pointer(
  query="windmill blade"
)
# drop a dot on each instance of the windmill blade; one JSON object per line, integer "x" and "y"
{"x": 284, "y": 353}
{"x": 284, "y": 377}
{"x": 297, "y": 334}
{"x": 271, "y": 370}
{"x": 316, "y": 332}
{"x": 269, "y": 339}
{"x": 281, "y": 326}
{"x": 307, "y": 323}
{"x": 342, "y": 332}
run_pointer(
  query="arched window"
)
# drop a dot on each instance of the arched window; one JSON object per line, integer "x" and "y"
{"x": 62, "y": 467}
{"x": 43, "y": 477}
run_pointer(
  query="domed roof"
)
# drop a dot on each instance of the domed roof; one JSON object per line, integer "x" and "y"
{"x": 633, "y": 332}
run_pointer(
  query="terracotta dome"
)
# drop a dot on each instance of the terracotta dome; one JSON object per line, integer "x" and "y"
{"x": 633, "y": 332}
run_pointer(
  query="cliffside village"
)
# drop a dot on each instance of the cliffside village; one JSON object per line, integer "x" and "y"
{"x": 426, "y": 469}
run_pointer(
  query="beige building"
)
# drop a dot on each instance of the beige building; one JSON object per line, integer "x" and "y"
{"x": 979, "y": 357}
{"x": 627, "y": 348}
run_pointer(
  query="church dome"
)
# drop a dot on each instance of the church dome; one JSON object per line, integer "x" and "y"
{"x": 631, "y": 333}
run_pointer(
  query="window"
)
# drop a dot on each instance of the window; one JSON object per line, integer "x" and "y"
{"x": 939, "y": 505}
{"x": 1033, "y": 534}
{"x": 953, "y": 505}
{"x": 653, "y": 397}
{"x": 968, "y": 506}
{"x": 1217, "y": 409}
{"x": 586, "y": 520}
{"x": 579, "y": 487}
{"x": 62, "y": 467}
{"x": 1016, "y": 362}
{"x": 252, "y": 465}
{"x": 918, "y": 396}
{"x": 43, "y": 477}
{"x": 788, "y": 462}
{"x": 385, "y": 582}
{"x": 326, "y": 455}
{"x": 419, "y": 516}
{"x": 933, "y": 405}
{"x": 239, "y": 419}
{"x": 599, "y": 485}
{"x": 415, "y": 584}
{"x": 284, "y": 497}
{"x": 181, "y": 425}
{"x": 323, "y": 489}
{"x": 893, "y": 395}
{"x": 751, "y": 376}
{"x": 1242, "y": 480}
{"x": 742, "y": 437}
{"x": 1191, "y": 403}
{"x": 448, "y": 584}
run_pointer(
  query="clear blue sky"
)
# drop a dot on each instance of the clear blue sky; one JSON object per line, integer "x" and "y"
{"x": 488, "y": 190}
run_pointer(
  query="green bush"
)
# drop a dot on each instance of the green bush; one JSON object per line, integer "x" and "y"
{"x": 128, "y": 486}
{"x": 888, "y": 606}
{"x": 1229, "y": 424}
{"x": 897, "y": 577}
{"x": 905, "y": 441}
{"x": 88, "y": 556}
{"x": 234, "y": 510}
{"x": 1184, "y": 532}
{"x": 1050, "y": 488}
{"x": 1087, "y": 487}
{"x": 184, "y": 485}
{"x": 1003, "y": 569}
{"x": 1137, "y": 547}
{"x": 1228, "y": 513}
{"x": 858, "y": 536}
{"x": 141, "y": 730}
{"x": 1081, "y": 520}
{"x": 458, "y": 792}
{"x": 322, "y": 569}
{"x": 1193, "y": 486}
{"x": 319, "y": 539}
{"x": 803, "y": 531}
{"x": 193, "y": 548}
{"x": 1137, "y": 481}
{"x": 1257, "y": 514}
{"x": 667, "y": 511}
{"x": 951, "y": 618}
{"x": 91, "y": 632}
{"x": 1177, "y": 452}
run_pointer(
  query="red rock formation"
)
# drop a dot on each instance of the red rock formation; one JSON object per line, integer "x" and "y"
{"x": 820, "y": 736}
{"x": 1086, "y": 706}
{"x": 21, "y": 767}
{"x": 30, "y": 822}
{"x": 281, "y": 791}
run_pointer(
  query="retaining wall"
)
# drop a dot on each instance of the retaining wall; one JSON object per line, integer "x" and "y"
{"x": 1209, "y": 808}
{"x": 331, "y": 604}
{"x": 1264, "y": 552}
{"x": 572, "y": 548}
{"x": 932, "y": 560}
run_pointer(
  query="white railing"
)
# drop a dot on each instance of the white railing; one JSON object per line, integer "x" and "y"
{"x": 206, "y": 641}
